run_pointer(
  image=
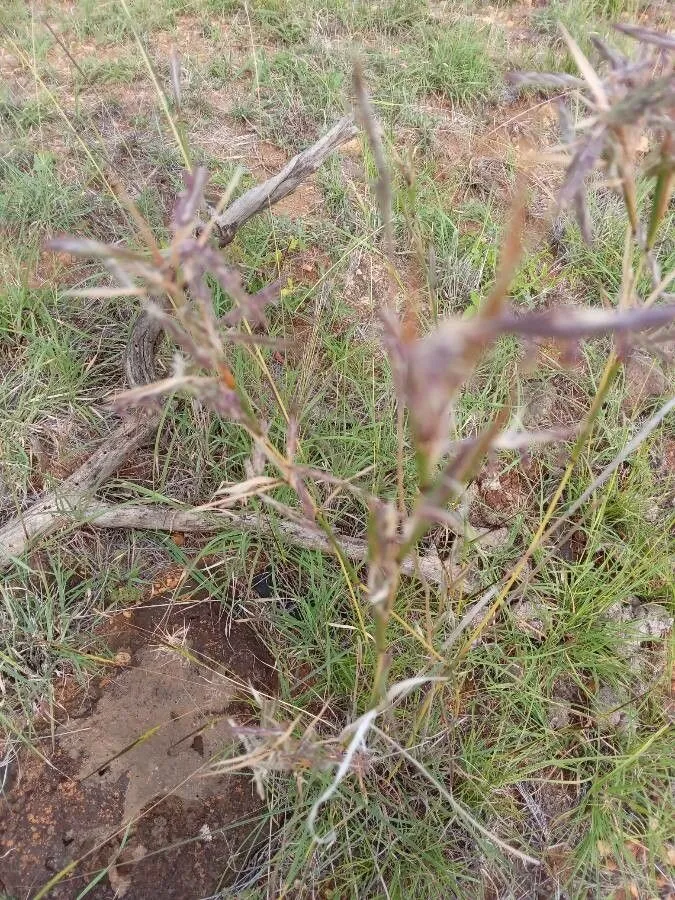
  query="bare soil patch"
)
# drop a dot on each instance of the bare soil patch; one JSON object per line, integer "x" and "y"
{"x": 134, "y": 748}
{"x": 503, "y": 493}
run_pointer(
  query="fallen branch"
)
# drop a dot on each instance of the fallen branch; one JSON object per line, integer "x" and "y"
{"x": 154, "y": 517}
{"x": 57, "y": 507}
{"x": 62, "y": 505}
{"x": 147, "y": 331}
{"x": 262, "y": 196}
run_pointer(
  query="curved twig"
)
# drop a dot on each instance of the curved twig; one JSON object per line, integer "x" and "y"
{"x": 72, "y": 498}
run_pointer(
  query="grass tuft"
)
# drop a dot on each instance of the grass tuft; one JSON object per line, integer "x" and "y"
{"x": 38, "y": 198}
{"x": 456, "y": 64}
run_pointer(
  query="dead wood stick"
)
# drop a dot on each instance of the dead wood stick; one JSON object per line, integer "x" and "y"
{"x": 146, "y": 331}
{"x": 56, "y": 507}
{"x": 155, "y": 517}
{"x": 262, "y": 196}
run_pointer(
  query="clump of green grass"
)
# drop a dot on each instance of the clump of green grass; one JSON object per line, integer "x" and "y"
{"x": 512, "y": 737}
{"x": 298, "y": 94}
{"x": 48, "y": 375}
{"x": 456, "y": 63}
{"x": 13, "y": 14}
{"x": 598, "y": 267}
{"x": 282, "y": 21}
{"x": 111, "y": 21}
{"x": 118, "y": 71}
{"x": 22, "y": 115}
{"x": 362, "y": 17}
{"x": 582, "y": 19}
{"x": 294, "y": 92}
{"x": 36, "y": 198}
{"x": 44, "y": 616}
{"x": 221, "y": 7}
{"x": 220, "y": 71}
{"x": 397, "y": 17}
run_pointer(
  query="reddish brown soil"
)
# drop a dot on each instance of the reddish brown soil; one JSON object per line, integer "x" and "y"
{"x": 185, "y": 842}
{"x": 504, "y": 492}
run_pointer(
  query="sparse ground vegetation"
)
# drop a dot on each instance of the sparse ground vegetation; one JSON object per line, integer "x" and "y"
{"x": 549, "y": 736}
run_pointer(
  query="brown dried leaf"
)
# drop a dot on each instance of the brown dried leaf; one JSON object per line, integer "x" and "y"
{"x": 119, "y": 883}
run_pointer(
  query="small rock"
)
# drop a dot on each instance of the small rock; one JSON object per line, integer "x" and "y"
{"x": 559, "y": 714}
{"x": 619, "y": 611}
{"x": 263, "y": 583}
{"x": 653, "y": 513}
{"x": 493, "y": 540}
{"x": 502, "y": 492}
{"x": 533, "y": 617}
{"x": 564, "y": 688}
{"x": 515, "y": 670}
{"x": 607, "y": 701}
{"x": 653, "y": 620}
{"x": 628, "y": 649}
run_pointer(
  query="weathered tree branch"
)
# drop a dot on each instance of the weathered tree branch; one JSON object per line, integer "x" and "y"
{"x": 56, "y": 508}
{"x": 155, "y": 517}
{"x": 147, "y": 331}
{"x": 262, "y": 196}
